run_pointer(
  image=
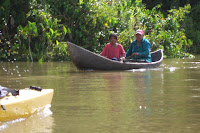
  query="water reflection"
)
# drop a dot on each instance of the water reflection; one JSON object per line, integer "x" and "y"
{"x": 113, "y": 81}
{"x": 113, "y": 87}
{"x": 122, "y": 106}
{"x": 143, "y": 84}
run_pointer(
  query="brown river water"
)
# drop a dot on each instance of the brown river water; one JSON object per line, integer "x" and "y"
{"x": 162, "y": 100}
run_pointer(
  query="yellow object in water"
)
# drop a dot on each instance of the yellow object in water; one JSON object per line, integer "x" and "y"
{"x": 26, "y": 103}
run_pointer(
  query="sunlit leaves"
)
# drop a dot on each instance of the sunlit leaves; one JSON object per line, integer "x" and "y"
{"x": 64, "y": 30}
{"x": 32, "y": 28}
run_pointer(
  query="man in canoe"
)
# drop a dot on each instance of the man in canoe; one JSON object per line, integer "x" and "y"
{"x": 113, "y": 50}
{"x": 139, "y": 49}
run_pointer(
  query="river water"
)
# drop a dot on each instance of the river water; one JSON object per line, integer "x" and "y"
{"x": 166, "y": 99}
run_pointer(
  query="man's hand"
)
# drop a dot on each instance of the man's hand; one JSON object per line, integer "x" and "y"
{"x": 134, "y": 54}
{"x": 122, "y": 58}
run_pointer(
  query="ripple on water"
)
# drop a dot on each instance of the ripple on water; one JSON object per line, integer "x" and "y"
{"x": 21, "y": 123}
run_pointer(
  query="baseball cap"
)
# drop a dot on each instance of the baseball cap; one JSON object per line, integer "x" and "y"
{"x": 139, "y": 32}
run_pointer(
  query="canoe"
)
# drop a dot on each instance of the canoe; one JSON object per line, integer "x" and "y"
{"x": 26, "y": 103}
{"x": 85, "y": 59}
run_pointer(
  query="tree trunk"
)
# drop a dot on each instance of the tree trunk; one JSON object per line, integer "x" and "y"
{"x": 30, "y": 48}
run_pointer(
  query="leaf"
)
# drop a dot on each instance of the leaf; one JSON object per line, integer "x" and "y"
{"x": 28, "y": 14}
{"x": 81, "y": 2}
{"x": 69, "y": 31}
{"x": 57, "y": 43}
{"x": 64, "y": 30}
{"x": 41, "y": 60}
{"x": 35, "y": 31}
{"x": 51, "y": 31}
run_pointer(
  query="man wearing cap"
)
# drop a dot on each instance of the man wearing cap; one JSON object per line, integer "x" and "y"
{"x": 139, "y": 49}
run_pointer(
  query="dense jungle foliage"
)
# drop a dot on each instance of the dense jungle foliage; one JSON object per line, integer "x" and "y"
{"x": 37, "y": 30}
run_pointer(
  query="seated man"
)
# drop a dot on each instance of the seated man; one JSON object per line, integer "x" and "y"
{"x": 139, "y": 49}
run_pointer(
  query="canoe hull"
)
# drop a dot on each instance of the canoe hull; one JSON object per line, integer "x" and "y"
{"x": 26, "y": 103}
{"x": 84, "y": 59}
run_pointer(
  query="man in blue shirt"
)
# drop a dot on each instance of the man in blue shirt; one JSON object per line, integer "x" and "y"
{"x": 139, "y": 49}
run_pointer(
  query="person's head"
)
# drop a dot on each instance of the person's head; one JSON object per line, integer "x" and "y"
{"x": 113, "y": 38}
{"x": 139, "y": 35}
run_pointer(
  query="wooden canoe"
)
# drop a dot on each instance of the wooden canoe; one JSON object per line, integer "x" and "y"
{"x": 26, "y": 103}
{"x": 84, "y": 59}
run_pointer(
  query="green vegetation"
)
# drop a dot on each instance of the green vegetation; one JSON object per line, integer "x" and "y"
{"x": 37, "y": 30}
{"x": 190, "y": 24}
